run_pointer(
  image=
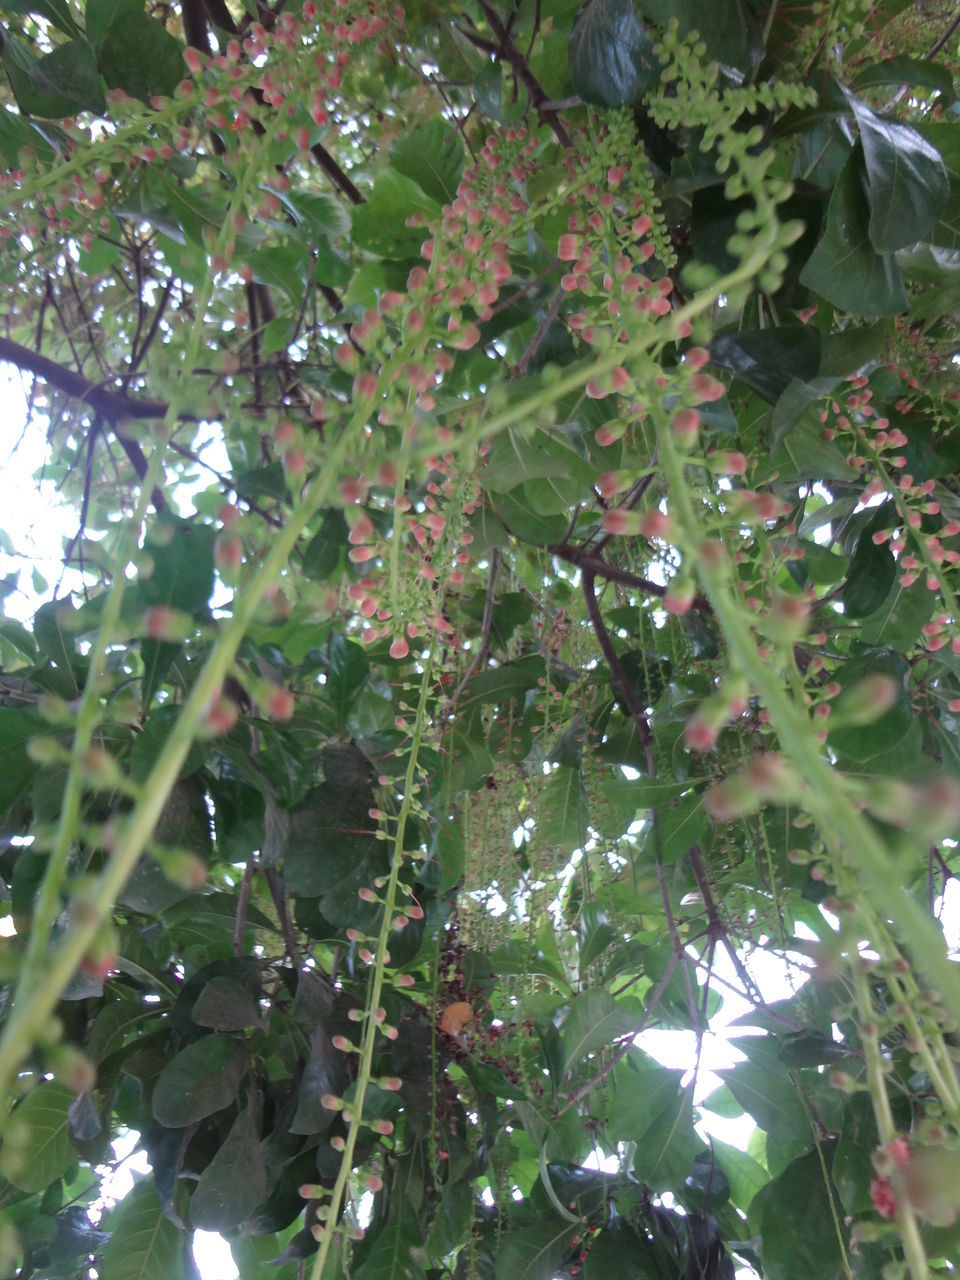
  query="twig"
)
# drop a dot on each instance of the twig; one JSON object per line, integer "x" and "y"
{"x": 617, "y": 673}
{"x": 243, "y": 897}
{"x": 627, "y": 1044}
{"x": 938, "y": 45}
{"x": 505, "y": 49}
{"x": 279, "y": 895}
{"x": 678, "y": 948}
{"x": 485, "y": 628}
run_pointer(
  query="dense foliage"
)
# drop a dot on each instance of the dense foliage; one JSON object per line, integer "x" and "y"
{"x": 515, "y": 456}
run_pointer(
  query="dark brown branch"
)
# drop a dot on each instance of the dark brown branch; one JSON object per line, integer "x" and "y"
{"x": 938, "y": 45}
{"x": 110, "y": 405}
{"x": 279, "y": 895}
{"x": 505, "y": 48}
{"x": 137, "y": 358}
{"x": 617, "y": 674}
{"x": 336, "y": 175}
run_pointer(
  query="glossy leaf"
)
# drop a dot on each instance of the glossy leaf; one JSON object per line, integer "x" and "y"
{"x": 845, "y": 268}
{"x": 906, "y": 179}
{"x": 611, "y": 54}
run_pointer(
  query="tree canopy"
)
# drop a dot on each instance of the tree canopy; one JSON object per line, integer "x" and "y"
{"x": 515, "y": 456}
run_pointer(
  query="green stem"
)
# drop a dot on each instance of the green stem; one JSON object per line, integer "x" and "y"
{"x": 862, "y": 849}
{"x": 913, "y": 1249}
{"x": 371, "y": 1030}
{"x": 47, "y": 906}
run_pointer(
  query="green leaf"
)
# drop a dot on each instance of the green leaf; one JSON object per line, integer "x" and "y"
{"x": 38, "y": 1149}
{"x": 563, "y": 810}
{"x": 17, "y": 727}
{"x": 397, "y": 1251}
{"x": 57, "y": 11}
{"x": 235, "y": 1180}
{"x": 667, "y": 1150}
{"x": 677, "y": 828}
{"x": 871, "y": 576}
{"x": 59, "y": 84}
{"x": 226, "y": 1005}
{"x": 535, "y": 1252}
{"x": 642, "y": 1089}
{"x": 897, "y": 623}
{"x": 432, "y": 156}
{"x": 199, "y": 1081}
{"x": 144, "y": 1244}
{"x": 771, "y": 1099}
{"x": 451, "y": 1221}
{"x": 379, "y": 225}
{"x": 285, "y": 267}
{"x": 789, "y": 1215}
{"x": 907, "y": 180}
{"x": 138, "y": 55}
{"x": 595, "y": 1020}
{"x": 612, "y": 63}
{"x": 767, "y": 359}
{"x": 182, "y": 556}
{"x": 845, "y": 268}
{"x": 348, "y": 671}
{"x": 913, "y": 71}
{"x": 326, "y": 551}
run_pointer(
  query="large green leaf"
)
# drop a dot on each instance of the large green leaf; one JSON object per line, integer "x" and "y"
{"x": 235, "y": 1180}
{"x": 594, "y": 1021}
{"x": 199, "y": 1080}
{"x": 17, "y": 727}
{"x": 181, "y": 552}
{"x": 535, "y": 1252}
{"x": 379, "y": 224}
{"x": 61, "y": 83}
{"x": 641, "y": 1090}
{"x": 907, "y": 180}
{"x": 913, "y": 71}
{"x": 791, "y": 1215}
{"x": 845, "y": 268}
{"x": 397, "y": 1252}
{"x": 870, "y": 578}
{"x": 137, "y": 53}
{"x": 612, "y": 63}
{"x": 144, "y": 1244}
{"x": 433, "y": 157}
{"x": 772, "y": 1099}
{"x": 39, "y": 1149}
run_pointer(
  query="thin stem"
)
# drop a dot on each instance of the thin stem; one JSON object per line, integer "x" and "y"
{"x": 371, "y": 1029}
{"x": 862, "y": 849}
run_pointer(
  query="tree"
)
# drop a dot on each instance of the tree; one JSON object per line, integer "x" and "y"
{"x": 515, "y": 455}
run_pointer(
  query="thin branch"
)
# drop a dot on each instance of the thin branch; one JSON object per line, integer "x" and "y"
{"x": 243, "y": 897}
{"x": 938, "y": 45}
{"x": 480, "y": 657}
{"x": 505, "y": 49}
{"x": 617, "y": 674}
{"x": 622, "y": 1050}
{"x": 280, "y": 901}
{"x": 336, "y": 175}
